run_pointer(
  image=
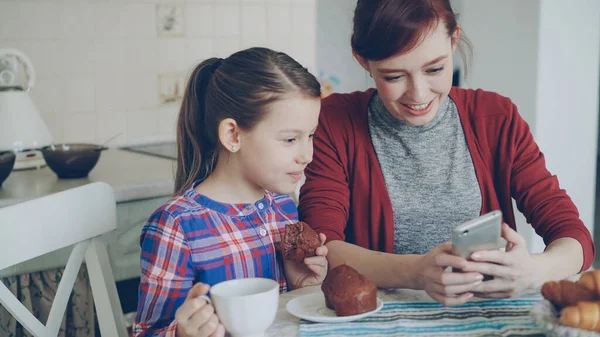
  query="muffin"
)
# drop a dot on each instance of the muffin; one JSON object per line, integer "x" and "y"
{"x": 299, "y": 241}
{"x": 348, "y": 292}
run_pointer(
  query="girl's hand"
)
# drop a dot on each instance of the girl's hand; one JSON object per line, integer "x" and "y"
{"x": 196, "y": 317}
{"x": 513, "y": 270}
{"x": 311, "y": 271}
{"x": 448, "y": 288}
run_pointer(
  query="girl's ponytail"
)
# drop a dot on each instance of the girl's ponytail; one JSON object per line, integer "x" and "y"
{"x": 196, "y": 151}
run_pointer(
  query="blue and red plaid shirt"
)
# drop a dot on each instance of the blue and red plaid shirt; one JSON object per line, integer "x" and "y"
{"x": 193, "y": 238}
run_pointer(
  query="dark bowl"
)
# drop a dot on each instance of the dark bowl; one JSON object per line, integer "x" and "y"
{"x": 70, "y": 161}
{"x": 7, "y": 162}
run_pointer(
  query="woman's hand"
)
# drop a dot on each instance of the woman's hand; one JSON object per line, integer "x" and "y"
{"x": 311, "y": 271}
{"x": 196, "y": 317}
{"x": 513, "y": 270}
{"x": 448, "y": 288}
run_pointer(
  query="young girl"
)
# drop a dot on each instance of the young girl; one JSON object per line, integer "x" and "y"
{"x": 244, "y": 137}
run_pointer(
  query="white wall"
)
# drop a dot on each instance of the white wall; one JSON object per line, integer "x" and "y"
{"x": 504, "y": 36}
{"x": 98, "y": 62}
{"x": 567, "y": 96}
{"x": 334, "y": 53}
{"x": 544, "y": 55}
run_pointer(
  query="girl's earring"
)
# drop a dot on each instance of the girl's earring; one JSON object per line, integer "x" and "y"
{"x": 233, "y": 148}
{"x": 371, "y": 75}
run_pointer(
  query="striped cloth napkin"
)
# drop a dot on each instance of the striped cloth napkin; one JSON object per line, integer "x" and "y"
{"x": 479, "y": 318}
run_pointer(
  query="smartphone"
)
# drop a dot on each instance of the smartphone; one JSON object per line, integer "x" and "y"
{"x": 482, "y": 233}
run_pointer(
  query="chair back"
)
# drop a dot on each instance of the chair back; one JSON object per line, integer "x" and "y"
{"x": 76, "y": 217}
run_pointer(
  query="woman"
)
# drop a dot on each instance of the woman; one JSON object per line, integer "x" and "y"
{"x": 396, "y": 168}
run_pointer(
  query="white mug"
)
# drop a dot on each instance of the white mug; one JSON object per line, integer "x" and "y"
{"x": 246, "y": 306}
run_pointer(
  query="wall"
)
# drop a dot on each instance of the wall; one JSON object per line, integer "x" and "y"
{"x": 567, "y": 97}
{"x": 504, "y": 35}
{"x": 334, "y": 53}
{"x": 101, "y": 63}
{"x": 544, "y": 56}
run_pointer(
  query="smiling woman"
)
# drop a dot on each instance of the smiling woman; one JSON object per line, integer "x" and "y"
{"x": 396, "y": 167}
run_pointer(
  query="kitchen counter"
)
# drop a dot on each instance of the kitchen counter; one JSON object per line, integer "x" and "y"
{"x": 133, "y": 176}
{"x": 141, "y": 182}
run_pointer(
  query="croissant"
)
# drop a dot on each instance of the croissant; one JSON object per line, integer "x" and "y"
{"x": 566, "y": 293}
{"x": 584, "y": 315}
{"x": 590, "y": 280}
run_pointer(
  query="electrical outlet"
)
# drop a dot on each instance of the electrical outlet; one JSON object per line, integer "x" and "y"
{"x": 171, "y": 87}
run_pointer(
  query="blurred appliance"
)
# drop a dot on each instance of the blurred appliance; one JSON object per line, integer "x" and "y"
{"x": 22, "y": 129}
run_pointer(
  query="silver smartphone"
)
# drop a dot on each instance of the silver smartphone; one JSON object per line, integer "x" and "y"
{"x": 482, "y": 233}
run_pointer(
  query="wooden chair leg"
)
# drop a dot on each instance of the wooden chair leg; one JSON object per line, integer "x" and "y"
{"x": 104, "y": 290}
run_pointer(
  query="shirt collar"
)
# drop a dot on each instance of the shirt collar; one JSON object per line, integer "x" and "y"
{"x": 239, "y": 210}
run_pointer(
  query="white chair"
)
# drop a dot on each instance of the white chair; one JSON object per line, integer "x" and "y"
{"x": 78, "y": 217}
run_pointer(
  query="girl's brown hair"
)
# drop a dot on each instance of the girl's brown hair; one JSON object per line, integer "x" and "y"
{"x": 238, "y": 87}
{"x": 384, "y": 28}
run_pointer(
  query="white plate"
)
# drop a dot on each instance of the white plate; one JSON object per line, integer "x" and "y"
{"x": 311, "y": 307}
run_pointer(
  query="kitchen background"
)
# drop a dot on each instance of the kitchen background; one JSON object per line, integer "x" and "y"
{"x": 108, "y": 67}
{"x": 118, "y": 67}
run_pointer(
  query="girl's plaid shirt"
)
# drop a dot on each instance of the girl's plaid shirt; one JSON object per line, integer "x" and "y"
{"x": 193, "y": 238}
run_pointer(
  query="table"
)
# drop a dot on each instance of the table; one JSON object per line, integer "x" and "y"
{"x": 287, "y": 325}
